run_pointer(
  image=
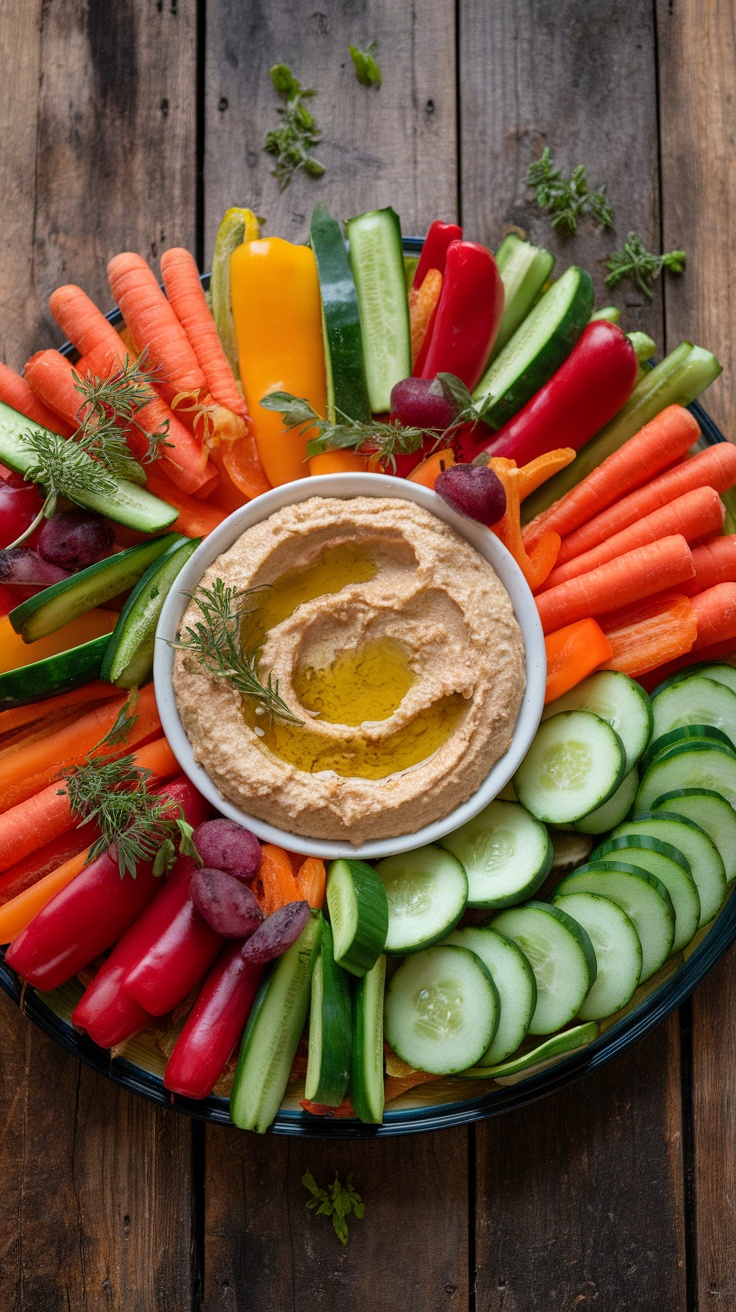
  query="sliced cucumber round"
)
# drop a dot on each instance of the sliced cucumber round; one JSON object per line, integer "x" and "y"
{"x": 619, "y": 701}
{"x": 506, "y": 853}
{"x": 671, "y": 866}
{"x": 330, "y": 1028}
{"x": 617, "y": 952}
{"x": 574, "y": 765}
{"x": 561, "y": 956}
{"x": 366, "y": 1075}
{"x": 698, "y": 700}
{"x": 719, "y": 671}
{"x": 441, "y": 1010}
{"x": 614, "y": 810}
{"x": 683, "y": 735}
{"x": 427, "y": 892}
{"x": 691, "y": 765}
{"x": 703, "y": 857}
{"x": 356, "y": 901}
{"x": 515, "y": 984}
{"x": 642, "y": 896}
{"x": 712, "y": 813}
{"x": 577, "y": 1037}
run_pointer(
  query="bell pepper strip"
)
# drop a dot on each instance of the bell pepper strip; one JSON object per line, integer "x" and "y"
{"x": 236, "y": 226}
{"x": 214, "y": 1025}
{"x": 591, "y": 386}
{"x": 536, "y": 472}
{"x": 20, "y": 911}
{"x": 535, "y": 566}
{"x": 422, "y": 306}
{"x": 310, "y": 882}
{"x": 430, "y": 469}
{"x": 434, "y": 249}
{"x": 338, "y": 462}
{"x": 650, "y": 633}
{"x": 15, "y": 653}
{"x": 277, "y": 878}
{"x": 240, "y": 469}
{"x": 278, "y": 325}
{"x": 468, "y": 317}
{"x": 345, "y": 1110}
{"x": 94, "y": 910}
{"x": 572, "y": 654}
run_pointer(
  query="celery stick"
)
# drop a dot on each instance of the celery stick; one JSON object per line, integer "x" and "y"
{"x": 643, "y": 345}
{"x": 609, "y": 312}
{"x": 524, "y": 269}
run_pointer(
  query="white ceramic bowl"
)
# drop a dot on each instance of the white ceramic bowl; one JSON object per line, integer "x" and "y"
{"x": 346, "y": 486}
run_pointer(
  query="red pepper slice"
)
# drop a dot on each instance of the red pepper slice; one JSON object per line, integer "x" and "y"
{"x": 434, "y": 250}
{"x": 214, "y": 1025}
{"x": 467, "y": 318}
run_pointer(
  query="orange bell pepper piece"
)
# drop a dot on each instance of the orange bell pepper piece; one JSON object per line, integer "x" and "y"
{"x": 534, "y": 565}
{"x": 572, "y": 654}
{"x": 430, "y": 469}
{"x": 537, "y": 472}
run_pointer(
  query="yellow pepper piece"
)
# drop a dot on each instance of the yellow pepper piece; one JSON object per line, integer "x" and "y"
{"x": 278, "y": 325}
{"x": 14, "y": 652}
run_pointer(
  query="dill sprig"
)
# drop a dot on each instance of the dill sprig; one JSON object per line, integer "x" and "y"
{"x": 111, "y": 403}
{"x": 293, "y": 141}
{"x": 216, "y": 642}
{"x": 567, "y": 199}
{"x": 636, "y": 262}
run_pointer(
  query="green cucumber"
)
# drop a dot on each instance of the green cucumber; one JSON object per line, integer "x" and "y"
{"x": 610, "y": 313}
{"x": 230, "y": 234}
{"x": 524, "y": 270}
{"x": 358, "y": 909}
{"x": 63, "y": 602}
{"x": 698, "y": 700}
{"x": 377, "y": 262}
{"x": 619, "y": 701}
{"x": 718, "y": 671}
{"x": 366, "y": 1073}
{"x": 614, "y": 810}
{"x": 561, "y": 956}
{"x": 642, "y": 896}
{"x": 701, "y": 853}
{"x": 330, "y": 1028}
{"x": 272, "y": 1034}
{"x": 575, "y": 763}
{"x": 427, "y": 892}
{"x": 671, "y": 866}
{"x": 441, "y": 1010}
{"x": 515, "y": 985}
{"x": 617, "y": 952}
{"x": 55, "y": 674}
{"x": 539, "y": 346}
{"x": 506, "y": 852}
{"x": 346, "y": 390}
{"x": 712, "y": 813}
{"x": 568, "y": 1041}
{"x": 689, "y": 765}
{"x": 128, "y": 659}
{"x": 129, "y": 504}
{"x": 684, "y": 734}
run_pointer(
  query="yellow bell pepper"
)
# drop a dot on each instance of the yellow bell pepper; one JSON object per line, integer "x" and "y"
{"x": 14, "y": 652}
{"x": 278, "y": 325}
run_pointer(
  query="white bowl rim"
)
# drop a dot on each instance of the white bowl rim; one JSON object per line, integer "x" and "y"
{"x": 346, "y": 487}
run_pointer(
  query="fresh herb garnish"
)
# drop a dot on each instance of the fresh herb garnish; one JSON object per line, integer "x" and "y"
{"x": 293, "y": 141}
{"x": 567, "y": 199}
{"x": 366, "y": 69}
{"x": 338, "y": 1201}
{"x": 109, "y": 405}
{"x": 216, "y": 642}
{"x": 635, "y": 261}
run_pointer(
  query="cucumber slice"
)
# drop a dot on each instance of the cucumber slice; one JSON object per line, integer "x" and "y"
{"x": 128, "y": 659}
{"x": 356, "y": 901}
{"x": 366, "y": 1077}
{"x": 272, "y": 1034}
{"x": 568, "y": 1041}
{"x": 671, "y": 866}
{"x": 712, "y": 813}
{"x": 347, "y": 395}
{"x": 506, "y": 853}
{"x": 537, "y": 349}
{"x": 561, "y": 956}
{"x": 695, "y": 765}
{"x": 427, "y": 892}
{"x": 515, "y": 985}
{"x": 574, "y": 765}
{"x": 60, "y": 673}
{"x": 441, "y": 1010}
{"x": 614, "y": 810}
{"x": 377, "y": 262}
{"x": 686, "y": 734}
{"x": 63, "y": 602}
{"x": 617, "y": 952}
{"x": 642, "y": 896}
{"x": 330, "y": 1028}
{"x": 616, "y": 699}
{"x": 719, "y": 672}
{"x": 695, "y": 701}
{"x": 524, "y": 270}
{"x": 701, "y": 853}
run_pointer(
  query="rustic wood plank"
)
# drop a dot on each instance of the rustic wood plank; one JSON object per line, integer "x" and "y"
{"x": 394, "y": 147}
{"x": 264, "y": 1249}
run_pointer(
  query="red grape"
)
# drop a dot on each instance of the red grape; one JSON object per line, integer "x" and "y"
{"x": 23, "y": 567}
{"x": 225, "y": 845}
{"x": 277, "y": 932}
{"x": 225, "y": 903}
{"x": 422, "y": 403}
{"x": 473, "y": 490}
{"x": 20, "y": 502}
{"x": 75, "y": 539}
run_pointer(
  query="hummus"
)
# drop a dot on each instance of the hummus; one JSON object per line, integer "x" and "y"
{"x": 395, "y": 646}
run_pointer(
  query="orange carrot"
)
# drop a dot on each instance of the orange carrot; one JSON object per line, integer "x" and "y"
{"x": 572, "y": 654}
{"x": 19, "y": 912}
{"x": 715, "y": 613}
{"x": 536, "y": 472}
{"x": 279, "y": 884}
{"x": 324, "y": 1109}
{"x": 15, "y": 392}
{"x": 54, "y": 381}
{"x": 395, "y": 1085}
{"x": 196, "y": 518}
{"x": 24, "y": 874}
{"x": 19, "y": 717}
{"x": 430, "y": 469}
{"x": 534, "y": 565}
{"x": 715, "y": 467}
{"x": 154, "y": 327}
{"x": 240, "y": 464}
{"x": 422, "y": 305}
{"x": 715, "y": 562}
{"x": 628, "y": 578}
{"x": 187, "y": 299}
{"x": 310, "y": 881}
{"x": 650, "y": 633}
{"x": 656, "y": 446}
{"x": 694, "y": 515}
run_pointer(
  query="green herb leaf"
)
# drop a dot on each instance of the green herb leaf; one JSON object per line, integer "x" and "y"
{"x": 187, "y": 846}
{"x": 293, "y": 141}
{"x": 165, "y": 858}
{"x": 339, "y": 1202}
{"x": 567, "y": 199}
{"x": 636, "y": 262}
{"x": 366, "y": 69}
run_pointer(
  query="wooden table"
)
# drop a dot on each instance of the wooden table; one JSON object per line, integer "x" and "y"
{"x": 134, "y": 125}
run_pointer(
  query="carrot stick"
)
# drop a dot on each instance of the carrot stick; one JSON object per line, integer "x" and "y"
{"x": 27, "y": 872}
{"x": 53, "y": 379}
{"x": 422, "y": 305}
{"x": 694, "y": 515}
{"x": 18, "y": 913}
{"x": 715, "y": 562}
{"x": 715, "y": 613}
{"x": 715, "y": 467}
{"x": 430, "y": 469}
{"x": 196, "y": 518}
{"x": 628, "y": 578}
{"x": 15, "y": 392}
{"x": 656, "y": 446}
{"x": 279, "y": 884}
{"x": 572, "y": 654}
{"x": 187, "y": 299}
{"x": 154, "y": 327}
{"x": 657, "y": 630}
{"x": 310, "y": 881}
{"x": 21, "y": 717}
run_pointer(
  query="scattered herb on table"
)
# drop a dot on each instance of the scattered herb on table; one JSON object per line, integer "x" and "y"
{"x": 366, "y": 69}
{"x": 338, "y": 1201}
{"x": 636, "y": 262}
{"x": 293, "y": 141}
{"x": 567, "y": 199}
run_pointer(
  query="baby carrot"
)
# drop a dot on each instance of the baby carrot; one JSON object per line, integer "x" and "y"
{"x": 54, "y": 380}
{"x": 196, "y": 518}
{"x": 18, "y": 913}
{"x": 715, "y": 613}
{"x": 187, "y": 299}
{"x": 20, "y": 717}
{"x": 15, "y": 392}
{"x": 24, "y": 874}
{"x": 715, "y": 562}
{"x": 154, "y": 327}
{"x": 573, "y": 652}
{"x": 310, "y": 881}
{"x": 276, "y": 875}
{"x": 650, "y": 633}
{"x": 422, "y": 307}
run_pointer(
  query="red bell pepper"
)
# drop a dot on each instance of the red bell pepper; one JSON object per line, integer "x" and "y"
{"x": 591, "y": 386}
{"x": 93, "y": 911}
{"x": 434, "y": 249}
{"x": 467, "y": 318}
{"x": 214, "y": 1025}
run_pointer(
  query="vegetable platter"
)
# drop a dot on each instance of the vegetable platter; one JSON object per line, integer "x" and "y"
{"x": 594, "y": 859}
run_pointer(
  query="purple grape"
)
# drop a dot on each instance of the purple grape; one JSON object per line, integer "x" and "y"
{"x": 23, "y": 567}
{"x": 20, "y": 502}
{"x": 473, "y": 490}
{"x": 277, "y": 932}
{"x": 225, "y": 845}
{"x": 75, "y": 539}
{"x": 422, "y": 403}
{"x": 225, "y": 903}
